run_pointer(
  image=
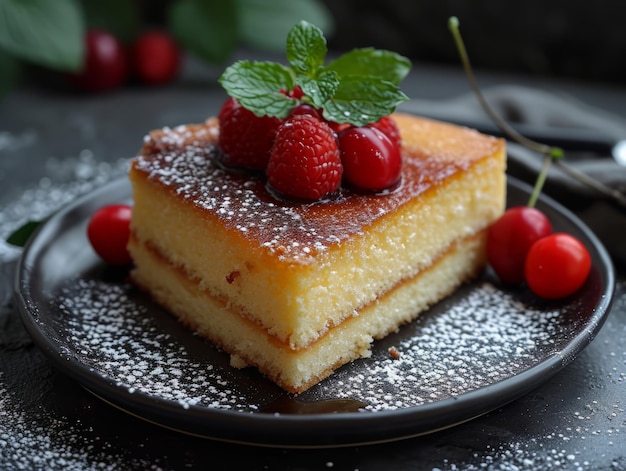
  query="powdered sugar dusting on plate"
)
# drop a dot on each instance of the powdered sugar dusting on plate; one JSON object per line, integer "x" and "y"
{"x": 118, "y": 339}
{"x": 65, "y": 180}
{"x": 483, "y": 337}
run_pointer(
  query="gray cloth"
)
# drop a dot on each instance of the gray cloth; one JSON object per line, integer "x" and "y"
{"x": 587, "y": 134}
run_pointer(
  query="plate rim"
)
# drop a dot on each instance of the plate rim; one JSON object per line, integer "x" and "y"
{"x": 281, "y": 429}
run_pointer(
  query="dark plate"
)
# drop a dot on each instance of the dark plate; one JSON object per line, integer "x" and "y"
{"x": 477, "y": 350}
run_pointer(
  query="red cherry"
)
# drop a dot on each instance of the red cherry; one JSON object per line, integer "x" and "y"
{"x": 557, "y": 266}
{"x": 105, "y": 64}
{"x": 108, "y": 232}
{"x": 370, "y": 160}
{"x": 156, "y": 58}
{"x": 510, "y": 238}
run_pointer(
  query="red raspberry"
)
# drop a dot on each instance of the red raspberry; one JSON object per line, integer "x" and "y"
{"x": 245, "y": 139}
{"x": 305, "y": 161}
{"x": 388, "y": 126}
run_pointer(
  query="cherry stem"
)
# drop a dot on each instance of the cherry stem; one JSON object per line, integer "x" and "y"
{"x": 550, "y": 153}
{"x": 541, "y": 179}
{"x": 453, "y": 24}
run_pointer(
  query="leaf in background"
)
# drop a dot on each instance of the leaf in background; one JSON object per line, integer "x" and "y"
{"x": 45, "y": 32}
{"x": 119, "y": 17}
{"x": 10, "y": 68}
{"x": 264, "y": 24}
{"x": 20, "y": 236}
{"x": 207, "y": 28}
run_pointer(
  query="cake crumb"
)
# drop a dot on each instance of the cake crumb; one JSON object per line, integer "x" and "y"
{"x": 395, "y": 354}
{"x": 237, "y": 362}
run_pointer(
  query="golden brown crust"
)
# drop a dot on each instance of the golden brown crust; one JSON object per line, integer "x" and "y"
{"x": 182, "y": 161}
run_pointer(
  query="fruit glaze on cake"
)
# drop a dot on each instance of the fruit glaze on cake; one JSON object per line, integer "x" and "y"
{"x": 308, "y": 218}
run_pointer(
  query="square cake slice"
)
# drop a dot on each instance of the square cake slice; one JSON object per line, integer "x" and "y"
{"x": 299, "y": 289}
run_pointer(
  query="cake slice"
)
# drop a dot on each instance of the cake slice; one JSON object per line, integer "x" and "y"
{"x": 298, "y": 289}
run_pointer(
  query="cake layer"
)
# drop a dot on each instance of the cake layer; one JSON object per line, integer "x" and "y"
{"x": 295, "y": 370}
{"x": 299, "y": 269}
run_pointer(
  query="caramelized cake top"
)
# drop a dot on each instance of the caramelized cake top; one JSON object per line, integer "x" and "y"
{"x": 182, "y": 160}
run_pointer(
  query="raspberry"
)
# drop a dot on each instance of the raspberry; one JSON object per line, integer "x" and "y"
{"x": 305, "y": 161}
{"x": 245, "y": 139}
{"x": 388, "y": 126}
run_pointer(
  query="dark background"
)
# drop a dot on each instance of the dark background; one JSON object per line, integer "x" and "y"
{"x": 574, "y": 39}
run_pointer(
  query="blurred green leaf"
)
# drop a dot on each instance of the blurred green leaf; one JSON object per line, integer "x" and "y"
{"x": 21, "y": 235}
{"x": 10, "y": 68}
{"x": 264, "y": 24}
{"x": 119, "y": 17}
{"x": 45, "y": 32}
{"x": 207, "y": 28}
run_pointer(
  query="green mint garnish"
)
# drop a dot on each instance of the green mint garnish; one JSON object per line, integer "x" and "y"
{"x": 358, "y": 88}
{"x": 20, "y": 236}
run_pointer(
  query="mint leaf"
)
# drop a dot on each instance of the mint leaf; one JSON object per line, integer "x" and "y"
{"x": 258, "y": 85}
{"x": 358, "y": 88}
{"x": 320, "y": 90}
{"x": 368, "y": 61}
{"x": 265, "y": 24}
{"x": 206, "y": 28}
{"x": 10, "y": 75}
{"x": 21, "y": 235}
{"x": 306, "y": 48}
{"x": 47, "y": 33}
{"x": 360, "y": 100}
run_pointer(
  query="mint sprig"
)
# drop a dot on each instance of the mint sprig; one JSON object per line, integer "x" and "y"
{"x": 358, "y": 88}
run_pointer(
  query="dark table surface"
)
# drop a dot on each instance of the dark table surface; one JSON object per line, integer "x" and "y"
{"x": 55, "y": 145}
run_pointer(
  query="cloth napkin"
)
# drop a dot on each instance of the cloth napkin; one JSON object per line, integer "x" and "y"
{"x": 525, "y": 108}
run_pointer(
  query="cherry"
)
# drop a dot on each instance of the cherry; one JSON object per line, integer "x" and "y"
{"x": 105, "y": 64}
{"x": 510, "y": 238}
{"x": 156, "y": 58}
{"x": 387, "y": 125}
{"x": 370, "y": 160}
{"x": 557, "y": 266}
{"x": 108, "y": 232}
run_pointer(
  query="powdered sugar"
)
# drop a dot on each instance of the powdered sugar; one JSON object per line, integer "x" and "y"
{"x": 117, "y": 339}
{"x": 65, "y": 179}
{"x": 485, "y": 336}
